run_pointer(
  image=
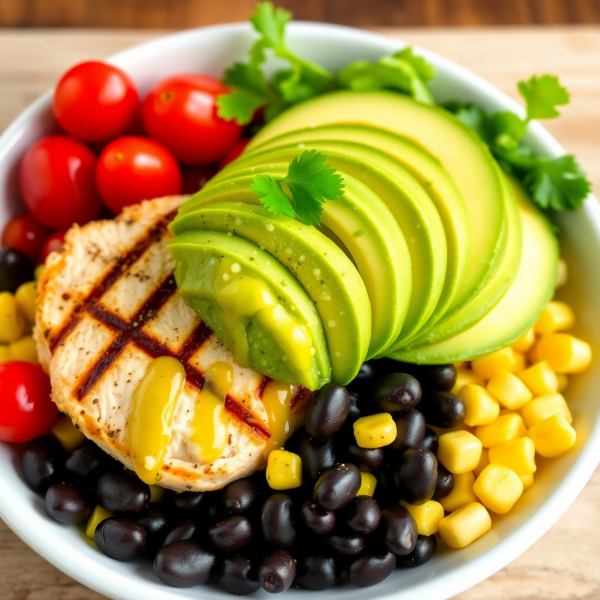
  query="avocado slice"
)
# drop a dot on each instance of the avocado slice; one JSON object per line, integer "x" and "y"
{"x": 397, "y": 189}
{"x": 326, "y": 273}
{"x": 518, "y": 309}
{"x": 254, "y": 304}
{"x": 462, "y": 154}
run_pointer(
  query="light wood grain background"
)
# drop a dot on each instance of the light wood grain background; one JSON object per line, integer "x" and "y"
{"x": 564, "y": 564}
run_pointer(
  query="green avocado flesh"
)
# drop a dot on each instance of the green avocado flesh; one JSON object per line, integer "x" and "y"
{"x": 518, "y": 309}
{"x": 254, "y": 304}
{"x": 324, "y": 271}
{"x": 411, "y": 207}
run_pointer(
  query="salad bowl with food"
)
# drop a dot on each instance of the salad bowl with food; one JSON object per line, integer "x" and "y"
{"x": 288, "y": 307}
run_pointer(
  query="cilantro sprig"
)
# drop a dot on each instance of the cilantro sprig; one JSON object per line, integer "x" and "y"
{"x": 554, "y": 183}
{"x": 310, "y": 181}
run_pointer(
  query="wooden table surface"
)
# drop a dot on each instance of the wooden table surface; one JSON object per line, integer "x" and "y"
{"x": 563, "y": 565}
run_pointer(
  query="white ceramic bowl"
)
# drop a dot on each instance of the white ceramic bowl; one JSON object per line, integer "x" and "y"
{"x": 210, "y": 50}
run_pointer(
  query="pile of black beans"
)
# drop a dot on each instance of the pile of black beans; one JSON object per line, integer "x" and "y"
{"x": 249, "y": 536}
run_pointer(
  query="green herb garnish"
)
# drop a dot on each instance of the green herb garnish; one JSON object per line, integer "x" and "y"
{"x": 310, "y": 181}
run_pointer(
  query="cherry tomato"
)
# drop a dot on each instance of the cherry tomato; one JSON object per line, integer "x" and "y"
{"x": 24, "y": 233}
{"x": 132, "y": 169}
{"x": 234, "y": 152}
{"x": 58, "y": 184}
{"x": 26, "y": 410}
{"x": 95, "y": 102}
{"x": 181, "y": 114}
{"x": 53, "y": 244}
{"x": 195, "y": 178}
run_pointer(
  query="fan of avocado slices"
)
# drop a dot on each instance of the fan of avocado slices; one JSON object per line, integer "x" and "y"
{"x": 364, "y": 221}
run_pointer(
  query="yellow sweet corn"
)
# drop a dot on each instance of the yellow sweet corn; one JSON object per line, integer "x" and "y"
{"x": 505, "y": 428}
{"x": 500, "y": 360}
{"x": 484, "y": 461}
{"x": 464, "y": 526}
{"x": 98, "y": 515}
{"x": 12, "y": 322}
{"x": 563, "y": 382}
{"x": 564, "y": 353}
{"x": 557, "y": 316}
{"x": 5, "y": 354}
{"x": 466, "y": 377}
{"x": 461, "y": 364}
{"x": 461, "y": 494}
{"x": 520, "y": 363}
{"x": 26, "y": 296}
{"x": 67, "y": 434}
{"x": 375, "y": 431}
{"x": 516, "y": 455}
{"x": 39, "y": 271}
{"x": 543, "y": 407}
{"x": 459, "y": 451}
{"x": 540, "y": 379}
{"x": 24, "y": 349}
{"x": 525, "y": 342}
{"x": 481, "y": 407}
{"x": 284, "y": 470}
{"x": 509, "y": 390}
{"x": 553, "y": 436}
{"x": 526, "y": 480}
{"x": 368, "y": 483}
{"x": 427, "y": 516}
{"x": 498, "y": 488}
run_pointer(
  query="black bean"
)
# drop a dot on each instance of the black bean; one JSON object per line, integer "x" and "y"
{"x": 231, "y": 535}
{"x": 386, "y": 491}
{"x": 371, "y": 569}
{"x": 439, "y": 377}
{"x": 316, "y": 519}
{"x": 66, "y": 504}
{"x": 424, "y": 550}
{"x": 15, "y": 268}
{"x": 430, "y": 441}
{"x": 41, "y": 461}
{"x": 347, "y": 544}
{"x": 443, "y": 409}
{"x": 445, "y": 483}
{"x": 186, "y": 529}
{"x": 362, "y": 514}
{"x": 337, "y": 486}
{"x": 364, "y": 378}
{"x": 237, "y": 575}
{"x": 410, "y": 426}
{"x": 417, "y": 475}
{"x": 356, "y": 410}
{"x": 187, "y": 501}
{"x": 85, "y": 462}
{"x": 184, "y": 564}
{"x": 276, "y": 571}
{"x": 122, "y": 494}
{"x": 366, "y": 459}
{"x": 278, "y": 521}
{"x": 327, "y": 411}
{"x": 316, "y": 456}
{"x": 241, "y": 496}
{"x": 396, "y": 392}
{"x": 398, "y": 530}
{"x": 155, "y": 524}
{"x": 120, "y": 539}
{"x": 318, "y": 571}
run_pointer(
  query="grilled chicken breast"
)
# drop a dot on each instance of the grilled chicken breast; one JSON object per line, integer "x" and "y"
{"x": 107, "y": 306}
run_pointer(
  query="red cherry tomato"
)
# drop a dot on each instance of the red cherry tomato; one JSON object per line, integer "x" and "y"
{"x": 53, "y": 244}
{"x": 195, "y": 178}
{"x": 95, "y": 102}
{"x": 26, "y": 410}
{"x": 132, "y": 169}
{"x": 24, "y": 233}
{"x": 234, "y": 152}
{"x": 181, "y": 114}
{"x": 58, "y": 183}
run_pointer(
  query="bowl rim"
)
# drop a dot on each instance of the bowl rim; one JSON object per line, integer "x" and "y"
{"x": 121, "y": 587}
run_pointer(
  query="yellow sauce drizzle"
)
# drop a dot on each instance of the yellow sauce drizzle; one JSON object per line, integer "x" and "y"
{"x": 282, "y": 422}
{"x": 149, "y": 427}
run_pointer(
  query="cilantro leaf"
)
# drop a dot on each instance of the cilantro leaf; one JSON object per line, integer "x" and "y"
{"x": 542, "y": 95}
{"x": 424, "y": 70}
{"x": 310, "y": 171}
{"x": 272, "y": 196}
{"x": 472, "y": 116}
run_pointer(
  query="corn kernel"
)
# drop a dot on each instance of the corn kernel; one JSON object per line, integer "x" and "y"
{"x": 466, "y": 377}
{"x": 12, "y": 322}
{"x": 540, "y": 379}
{"x": 520, "y": 363}
{"x": 564, "y": 353}
{"x": 526, "y": 480}
{"x": 368, "y": 483}
{"x": 461, "y": 364}
{"x": 375, "y": 431}
{"x": 557, "y": 316}
{"x": 516, "y": 455}
{"x": 481, "y": 407}
{"x": 284, "y": 470}
{"x": 98, "y": 515}
{"x": 157, "y": 493}
{"x": 39, "y": 271}
{"x": 563, "y": 382}
{"x": 509, "y": 389}
{"x": 543, "y": 407}
{"x": 5, "y": 354}
{"x": 498, "y": 488}
{"x": 464, "y": 526}
{"x": 459, "y": 451}
{"x": 500, "y": 360}
{"x": 26, "y": 296}
{"x": 563, "y": 273}
{"x": 427, "y": 516}
{"x": 525, "y": 342}
{"x": 484, "y": 461}
{"x": 505, "y": 428}
{"x": 67, "y": 434}
{"x": 553, "y": 436}
{"x": 24, "y": 349}
{"x": 462, "y": 493}
{"x": 533, "y": 356}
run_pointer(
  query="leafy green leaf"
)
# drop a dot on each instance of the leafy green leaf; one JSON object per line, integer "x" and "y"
{"x": 239, "y": 106}
{"x": 270, "y": 23}
{"x": 307, "y": 207}
{"x": 310, "y": 171}
{"x": 424, "y": 70}
{"x": 472, "y": 116}
{"x": 272, "y": 196}
{"x": 542, "y": 95}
